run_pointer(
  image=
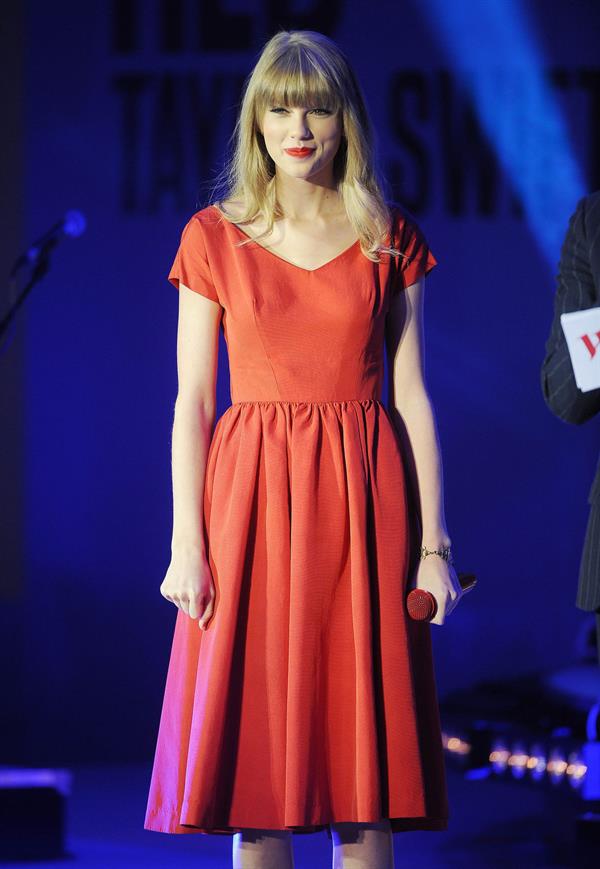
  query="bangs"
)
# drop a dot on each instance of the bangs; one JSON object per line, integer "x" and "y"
{"x": 298, "y": 78}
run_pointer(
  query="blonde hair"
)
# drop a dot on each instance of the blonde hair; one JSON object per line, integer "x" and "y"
{"x": 300, "y": 67}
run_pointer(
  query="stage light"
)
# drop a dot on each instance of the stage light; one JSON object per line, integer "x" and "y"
{"x": 458, "y": 746}
{"x": 493, "y": 49}
{"x": 557, "y": 766}
{"x": 499, "y": 756}
{"x": 455, "y": 745}
{"x": 531, "y": 761}
{"x": 537, "y": 762}
{"x": 576, "y": 770}
{"x": 518, "y": 760}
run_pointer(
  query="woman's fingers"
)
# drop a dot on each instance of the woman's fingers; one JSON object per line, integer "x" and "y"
{"x": 439, "y": 617}
{"x": 187, "y": 602}
{"x": 452, "y": 601}
{"x": 181, "y": 601}
{"x": 194, "y": 608}
{"x": 193, "y": 596}
{"x": 453, "y": 596}
{"x": 194, "y": 603}
{"x": 207, "y": 614}
{"x": 445, "y": 607}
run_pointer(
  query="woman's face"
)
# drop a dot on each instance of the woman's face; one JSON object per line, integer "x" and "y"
{"x": 312, "y": 132}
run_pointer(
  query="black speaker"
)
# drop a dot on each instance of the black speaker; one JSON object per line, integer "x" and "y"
{"x": 32, "y": 812}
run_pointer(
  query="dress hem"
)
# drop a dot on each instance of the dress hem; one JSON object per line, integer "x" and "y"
{"x": 397, "y": 824}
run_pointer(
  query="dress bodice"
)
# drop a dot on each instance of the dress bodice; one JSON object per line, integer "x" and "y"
{"x": 295, "y": 334}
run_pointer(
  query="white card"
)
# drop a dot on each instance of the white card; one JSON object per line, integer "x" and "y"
{"x": 582, "y": 332}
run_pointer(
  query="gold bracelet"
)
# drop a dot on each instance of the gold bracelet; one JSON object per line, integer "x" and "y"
{"x": 444, "y": 553}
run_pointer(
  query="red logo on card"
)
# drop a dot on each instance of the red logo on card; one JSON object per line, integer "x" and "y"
{"x": 591, "y": 346}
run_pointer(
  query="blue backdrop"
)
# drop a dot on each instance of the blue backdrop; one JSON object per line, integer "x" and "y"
{"x": 487, "y": 129}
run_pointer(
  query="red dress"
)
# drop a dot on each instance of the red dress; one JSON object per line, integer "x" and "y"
{"x": 311, "y": 696}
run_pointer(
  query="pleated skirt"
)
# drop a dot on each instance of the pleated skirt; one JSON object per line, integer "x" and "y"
{"x": 311, "y": 697}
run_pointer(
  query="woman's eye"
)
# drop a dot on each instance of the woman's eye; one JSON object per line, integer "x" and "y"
{"x": 283, "y": 109}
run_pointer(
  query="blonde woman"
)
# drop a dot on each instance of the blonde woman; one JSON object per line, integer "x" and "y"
{"x": 300, "y": 696}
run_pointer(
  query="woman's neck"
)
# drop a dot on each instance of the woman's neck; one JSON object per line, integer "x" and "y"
{"x": 305, "y": 200}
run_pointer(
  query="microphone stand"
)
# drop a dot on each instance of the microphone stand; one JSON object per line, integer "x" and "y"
{"x": 41, "y": 266}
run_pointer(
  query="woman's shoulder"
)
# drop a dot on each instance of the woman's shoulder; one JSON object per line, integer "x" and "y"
{"x": 210, "y": 221}
{"x": 220, "y": 213}
{"x": 220, "y": 210}
{"x": 207, "y": 214}
{"x": 233, "y": 208}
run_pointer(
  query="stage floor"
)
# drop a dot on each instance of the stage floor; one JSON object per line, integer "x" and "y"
{"x": 495, "y": 823}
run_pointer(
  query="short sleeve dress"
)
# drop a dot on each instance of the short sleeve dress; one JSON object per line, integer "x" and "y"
{"x": 311, "y": 696}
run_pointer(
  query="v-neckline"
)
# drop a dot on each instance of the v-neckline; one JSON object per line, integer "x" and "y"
{"x": 289, "y": 262}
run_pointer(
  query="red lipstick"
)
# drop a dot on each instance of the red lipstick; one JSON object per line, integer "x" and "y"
{"x": 299, "y": 152}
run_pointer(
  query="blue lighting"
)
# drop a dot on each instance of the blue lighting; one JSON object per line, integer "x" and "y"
{"x": 492, "y": 48}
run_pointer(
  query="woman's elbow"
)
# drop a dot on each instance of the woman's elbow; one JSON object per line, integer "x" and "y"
{"x": 569, "y": 404}
{"x": 196, "y": 403}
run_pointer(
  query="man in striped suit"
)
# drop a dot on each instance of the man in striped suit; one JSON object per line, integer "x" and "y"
{"x": 578, "y": 288}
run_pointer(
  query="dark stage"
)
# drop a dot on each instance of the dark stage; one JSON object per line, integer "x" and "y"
{"x": 495, "y": 824}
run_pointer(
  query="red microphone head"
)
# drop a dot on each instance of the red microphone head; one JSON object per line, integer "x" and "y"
{"x": 421, "y": 605}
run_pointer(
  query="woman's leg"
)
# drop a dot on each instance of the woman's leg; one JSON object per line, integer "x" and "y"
{"x": 262, "y": 849}
{"x": 362, "y": 846}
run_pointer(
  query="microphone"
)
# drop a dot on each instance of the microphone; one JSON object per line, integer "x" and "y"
{"x": 422, "y": 605}
{"x": 73, "y": 224}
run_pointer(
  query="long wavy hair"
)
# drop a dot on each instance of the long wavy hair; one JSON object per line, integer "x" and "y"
{"x": 303, "y": 67}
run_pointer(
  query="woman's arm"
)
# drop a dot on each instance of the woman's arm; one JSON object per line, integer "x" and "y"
{"x": 187, "y": 583}
{"x": 413, "y": 416}
{"x": 576, "y": 290}
{"x": 195, "y": 409}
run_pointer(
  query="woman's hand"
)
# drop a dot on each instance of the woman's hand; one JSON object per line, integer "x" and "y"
{"x": 435, "y": 575}
{"x": 189, "y": 585}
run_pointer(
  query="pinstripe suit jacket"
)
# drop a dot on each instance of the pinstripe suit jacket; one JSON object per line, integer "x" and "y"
{"x": 578, "y": 287}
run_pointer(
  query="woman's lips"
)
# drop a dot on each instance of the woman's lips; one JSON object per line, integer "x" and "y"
{"x": 299, "y": 152}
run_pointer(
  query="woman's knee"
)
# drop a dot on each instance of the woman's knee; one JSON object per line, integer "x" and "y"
{"x": 255, "y": 834}
{"x": 350, "y": 832}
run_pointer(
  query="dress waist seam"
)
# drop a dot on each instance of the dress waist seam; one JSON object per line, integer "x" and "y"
{"x": 283, "y": 401}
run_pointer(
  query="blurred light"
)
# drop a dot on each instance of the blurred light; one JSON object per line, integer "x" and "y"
{"x": 518, "y": 761}
{"x": 537, "y": 762}
{"x": 576, "y": 770}
{"x": 492, "y": 48}
{"x": 478, "y": 774}
{"x": 591, "y": 725}
{"x": 455, "y": 744}
{"x": 556, "y": 766}
{"x": 499, "y": 756}
{"x": 74, "y": 223}
{"x": 562, "y": 731}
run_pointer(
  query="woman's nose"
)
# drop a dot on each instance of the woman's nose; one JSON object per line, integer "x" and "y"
{"x": 299, "y": 125}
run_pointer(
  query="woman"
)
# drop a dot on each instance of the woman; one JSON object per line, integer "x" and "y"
{"x": 300, "y": 696}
